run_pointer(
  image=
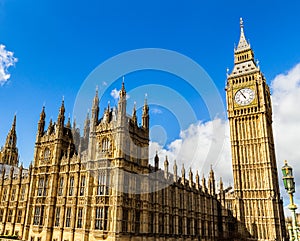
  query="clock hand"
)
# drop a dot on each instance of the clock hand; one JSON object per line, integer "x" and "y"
{"x": 243, "y": 94}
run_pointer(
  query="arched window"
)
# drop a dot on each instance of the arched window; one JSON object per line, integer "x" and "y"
{"x": 47, "y": 154}
{"x": 105, "y": 145}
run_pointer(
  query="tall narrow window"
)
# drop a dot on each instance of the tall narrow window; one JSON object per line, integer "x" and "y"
{"x": 37, "y": 214}
{"x": 180, "y": 229}
{"x": 68, "y": 217}
{"x": 45, "y": 186}
{"x": 138, "y": 187}
{"x": 125, "y": 220}
{"x": 82, "y": 185}
{"x": 151, "y": 222}
{"x": 23, "y": 190}
{"x": 71, "y": 188}
{"x": 196, "y": 227}
{"x": 105, "y": 145}
{"x": 126, "y": 185}
{"x": 46, "y": 155}
{"x": 60, "y": 186}
{"x": 161, "y": 223}
{"x": 101, "y": 218}
{"x": 19, "y": 216}
{"x": 4, "y": 194}
{"x": 10, "y": 214}
{"x": 188, "y": 226}
{"x": 13, "y": 195}
{"x": 79, "y": 217}
{"x": 137, "y": 221}
{"x": 1, "y": 215}
{"x": 171, "y": 224}
{"x": 57, "y": 216}
{"x": 41, "y": 186}
{"x": 101, "y": 183}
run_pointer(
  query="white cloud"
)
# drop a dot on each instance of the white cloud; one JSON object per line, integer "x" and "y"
{"x": 6, "y": 60}
{"x": 201, "y": 145}
{"x": 156, "y": 111}
{"x": 115, "y": 93}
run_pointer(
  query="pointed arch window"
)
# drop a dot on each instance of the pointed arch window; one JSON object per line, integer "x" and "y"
{"x": 105, "y": 145}
{"x": 71, "y": 188}
{"x": 47, "y": 155}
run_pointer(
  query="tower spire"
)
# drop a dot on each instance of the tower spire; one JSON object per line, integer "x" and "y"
{"x": 122, "y": 105}
{"x": 134, "y": 118}
{"x": 95, "y": 110}
{"x": 11, "y": 139}
{"x": 10, "y": 152}
{"x": 145, "y": 115}
{"x": 123, "y": 91}
{"x": 61, "y": 115}
{"x": 243, "y": 44}
{"x": 41, "y": 124}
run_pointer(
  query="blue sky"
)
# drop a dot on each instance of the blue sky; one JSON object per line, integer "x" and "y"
{"x": 59, "y": 43}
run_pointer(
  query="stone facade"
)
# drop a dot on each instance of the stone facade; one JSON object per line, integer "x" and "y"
{"x": 100, "y": 186}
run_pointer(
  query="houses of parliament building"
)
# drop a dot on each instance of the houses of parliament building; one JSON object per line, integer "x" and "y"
{"x": 100, "y": 186}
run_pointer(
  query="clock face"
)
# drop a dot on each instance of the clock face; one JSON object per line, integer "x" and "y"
{"x": 244, "y": 96}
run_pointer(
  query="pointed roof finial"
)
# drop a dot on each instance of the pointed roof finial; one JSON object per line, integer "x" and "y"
{"x": 122, "y": 93}
{"x": 14, "y": 121}
{"x": 62, "y": 107}
{"x": 96, "y": 99}
{"x": 69, "y": 122}
{"x": 241, "y": 23}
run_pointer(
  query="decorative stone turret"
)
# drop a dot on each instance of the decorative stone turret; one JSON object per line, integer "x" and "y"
{"x": 134, "y": 118}
{"x": 145, "y": 115}
{"x": 166, "y": 170}
{"x": 156, "y": 162}
{"x": 182, "y": 175}
{"x": 197, "y": 181}
{"x": 211, "y": 182}
{"x": 41, "y": 124}
{"x": 9, "y": 153}
{"x": 175, "y": 171}
{"x": 190, "y": 178}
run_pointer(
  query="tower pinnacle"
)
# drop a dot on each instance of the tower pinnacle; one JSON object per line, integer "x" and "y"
{"x": 243, "y": 44}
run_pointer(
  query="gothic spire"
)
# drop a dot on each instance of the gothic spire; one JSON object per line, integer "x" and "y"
{"x": 95, "y": 110}
{"x": 69, "y": 123}
{"x": 175, "y": 171}
{"x": 122, "y": 93}
{"x": 190, "y": 177}
{"x": 197, "y": 180}
{"x": 86, "y": 129}
{"x": 243, "y": 44}
{"x": 166, "y": 170}
{"x": 134, "y": 118}
{"x": 183, "y": 174}
{"x": 41, "y": 124}
{"x": 11, "y": 139}
{"x": 145, "y": 115}
{"x": 61, "y": 115}
{"x": 156, "y": 162}
{"x": 122, "y": 105}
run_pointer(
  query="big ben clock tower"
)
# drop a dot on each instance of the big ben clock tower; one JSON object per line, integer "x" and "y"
{"x": 258, "y": 206}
